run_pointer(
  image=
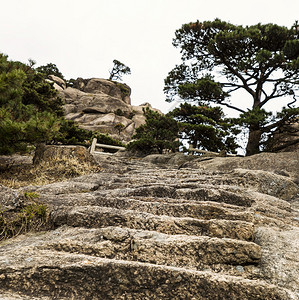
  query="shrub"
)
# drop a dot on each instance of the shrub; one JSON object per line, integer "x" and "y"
{"x": 159, "y": 132}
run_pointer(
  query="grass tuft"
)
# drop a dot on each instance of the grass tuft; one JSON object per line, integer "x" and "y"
{"x": 33, "y": 216}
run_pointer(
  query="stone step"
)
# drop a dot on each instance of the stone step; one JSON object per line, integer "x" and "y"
{"x": 190, "y": 252}
{"x": 61, "y": 275}
{"x": 204, "y": 193}
{"x": 177, "y": 207}
{"x": 154, "y": 205}
{"x": 98, "y": 217}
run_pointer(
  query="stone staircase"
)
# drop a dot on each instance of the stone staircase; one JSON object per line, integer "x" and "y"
{"x": 142, "y": 231}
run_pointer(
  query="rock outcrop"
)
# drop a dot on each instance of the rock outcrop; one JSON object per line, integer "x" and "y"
{"x": 141, "y": 230}
{"x": 101, "y": 105}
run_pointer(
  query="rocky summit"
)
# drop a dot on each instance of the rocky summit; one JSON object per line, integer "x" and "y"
{"x": 162, "y": 227}
{"x": 101, "y": 105}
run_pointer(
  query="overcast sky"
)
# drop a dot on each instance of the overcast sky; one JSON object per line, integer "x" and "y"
{"x": 84, "y": 37}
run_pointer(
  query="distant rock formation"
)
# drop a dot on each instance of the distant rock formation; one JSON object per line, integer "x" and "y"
{"x": 101, "y": 105}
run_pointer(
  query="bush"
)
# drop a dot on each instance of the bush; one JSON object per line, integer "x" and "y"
{"x": 160, "y": 132}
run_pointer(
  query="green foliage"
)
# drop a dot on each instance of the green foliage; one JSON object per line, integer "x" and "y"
{"x": 106, "y": 139}
{"x": 119, "y": 69}
{"x": 32, "y": 216}
{"x": 31, "y": 195}
{"x": 41, "y": 94}
{"x": 202, "y": 89}
{"x": 205, "y": 127}
{"x": 71, "y": 134}
{"x": 119, "y": 112}
{"x": 158, "y": 133}
{"x": 255, "y": 117}
{"x": 30, "y": 111}
{"x": 125, "y": 90}
{"x": 119, "y": 127}
{"x": 262, "y": 60}
{"x": 70, "y": 82}
{"x": 128, "y": 115}
{"x": 49, "y": 69}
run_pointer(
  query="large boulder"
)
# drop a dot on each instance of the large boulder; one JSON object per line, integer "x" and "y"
{"x": 104, "y": 86}
{"x": 104, "y": 106}
{"x": 284, "y": 163}
{"x": 57, "y": 80}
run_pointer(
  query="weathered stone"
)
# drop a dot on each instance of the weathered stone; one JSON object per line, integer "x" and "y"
{"x": 172, "y": 159}
{"x": 142, "y": 230}
{"x": 60, "y": 82}
{"x": 7, "y": 161}
{"x": 10, "y": 200}
{"x": 96, "y": 98}
{"x": 284, "y": 163}
{"x": 48, "y": 153}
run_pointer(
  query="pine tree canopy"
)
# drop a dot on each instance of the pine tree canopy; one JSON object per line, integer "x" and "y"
{"x": 219, "y": 59}
{"x": 30, "y": 111}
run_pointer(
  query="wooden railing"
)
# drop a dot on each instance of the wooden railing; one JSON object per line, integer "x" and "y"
{"x": 94, "y": 144}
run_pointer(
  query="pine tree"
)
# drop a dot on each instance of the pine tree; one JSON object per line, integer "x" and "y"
{"x": 119, "y": 69}
{"x": 30, "y": 111}
{"x": 205, "y": 127}
{"x": 262, "y": 60}
{"x": 158, "y": 133}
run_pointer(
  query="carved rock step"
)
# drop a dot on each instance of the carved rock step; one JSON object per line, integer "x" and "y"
{"x": 211, "y": 193}
{"x": 178, "y": 208}
{"x": 150, "y": 246}
{"x": 98, "y": 217}
{"x": 76, "y": 276}
{"x": 204, "y": 193}
{"x": 154, "y": 205}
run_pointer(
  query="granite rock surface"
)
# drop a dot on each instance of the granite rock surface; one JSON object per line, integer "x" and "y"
{"x": 219, "y": 228}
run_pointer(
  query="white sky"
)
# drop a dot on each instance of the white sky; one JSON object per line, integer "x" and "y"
{"x": 84, "y": 37}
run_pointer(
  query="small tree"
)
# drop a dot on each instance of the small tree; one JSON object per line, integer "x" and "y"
{"x": 205, "y": 127}
{"x": 262, "y": 60}
{"x": 119, "y": 69}
{"x": 158, "y": 133}
{"x": 49, "y": 69}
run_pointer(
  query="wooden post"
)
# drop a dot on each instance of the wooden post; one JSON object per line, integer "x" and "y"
{"x": 111, "y": 147}
{"x": 93, "y": 146}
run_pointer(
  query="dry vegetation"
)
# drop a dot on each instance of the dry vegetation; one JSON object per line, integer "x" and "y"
{"x": 33, "y": 216}
{"x": 46, "y": 172}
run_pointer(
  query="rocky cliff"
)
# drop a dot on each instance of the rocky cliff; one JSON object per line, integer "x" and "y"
{"x": 164, "y": 227}
{"x": 101, "y": 105}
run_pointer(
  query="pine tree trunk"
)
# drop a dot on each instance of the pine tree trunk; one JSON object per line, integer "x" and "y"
{"x": 253, "y": 145}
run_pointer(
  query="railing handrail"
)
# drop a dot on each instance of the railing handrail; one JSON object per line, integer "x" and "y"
{"x": 94, "y": 144}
